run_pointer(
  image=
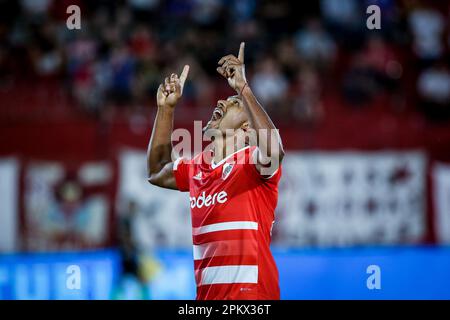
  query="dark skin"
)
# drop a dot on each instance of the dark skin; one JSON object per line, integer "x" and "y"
{"x": 233, "y": 69}
{"x": 159, "y": 160}
{"x": 241, "y": 113}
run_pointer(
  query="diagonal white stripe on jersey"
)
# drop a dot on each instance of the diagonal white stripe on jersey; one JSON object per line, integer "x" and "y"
{"x": 229, "y": 274}
{"x": 222, "y": 226}
{"x": 177, "y": 162}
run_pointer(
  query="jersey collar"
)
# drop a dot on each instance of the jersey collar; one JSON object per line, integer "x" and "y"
{"x": 215, "y": 165}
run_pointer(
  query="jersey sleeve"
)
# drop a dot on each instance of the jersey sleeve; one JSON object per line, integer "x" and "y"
{"x": 181, "y": 172}
{"x": 252, "y": 159}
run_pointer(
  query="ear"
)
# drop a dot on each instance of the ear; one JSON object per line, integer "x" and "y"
{"x": 245, "y": 126}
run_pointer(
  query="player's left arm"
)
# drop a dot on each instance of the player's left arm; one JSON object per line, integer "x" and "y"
{"x": 270, "y": 147}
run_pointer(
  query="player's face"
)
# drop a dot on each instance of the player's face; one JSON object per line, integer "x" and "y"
{"x": 228, "y": 114}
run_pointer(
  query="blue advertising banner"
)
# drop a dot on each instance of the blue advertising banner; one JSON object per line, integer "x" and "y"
{"x": 87, "y": 275}
{"x": 364, "y": 273}
{"x": 356, "y": 273}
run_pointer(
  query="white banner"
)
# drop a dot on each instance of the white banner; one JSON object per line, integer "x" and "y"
{"x": 161, "y": 217}
{"x": 66, "y": 208}
{"x": 9, "y": 175}
{"x": 351, "y": 198}
{"x": 441, "y": 200}
{"x": 325, "y": 199}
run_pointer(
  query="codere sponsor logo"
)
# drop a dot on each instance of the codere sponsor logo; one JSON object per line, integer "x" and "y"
{"x": 210, "y": 200}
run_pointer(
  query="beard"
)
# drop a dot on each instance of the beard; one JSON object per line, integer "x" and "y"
{"x": 216, "y": 118}
{"x": 212, "y": 124}
{"x": 212, "y": 130}
{"x": 206, "y": 127}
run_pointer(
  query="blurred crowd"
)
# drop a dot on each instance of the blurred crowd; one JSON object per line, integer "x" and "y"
{"x": 296, "y": 53}
{"x": 301, "y": 57}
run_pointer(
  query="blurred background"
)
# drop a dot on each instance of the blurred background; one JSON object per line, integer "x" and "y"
{"x": 364, "y": 116}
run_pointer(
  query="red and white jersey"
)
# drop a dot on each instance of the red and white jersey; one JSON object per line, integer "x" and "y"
{"x": 233, "y": 209}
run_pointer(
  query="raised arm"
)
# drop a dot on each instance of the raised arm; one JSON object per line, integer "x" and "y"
{"x": 159, "y": 160}
{"x": 270, "y": 146}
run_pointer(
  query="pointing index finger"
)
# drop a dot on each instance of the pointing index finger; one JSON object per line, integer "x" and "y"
{"x": 241, "y": 52}
{"x": 184, "y": 75}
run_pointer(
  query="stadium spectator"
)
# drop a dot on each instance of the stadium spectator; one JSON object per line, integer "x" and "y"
{"x": 434, "y": 90}
{"x": 307, "y": 104}
{"x": 122, "y": 64}
{"x": 122, "y": 48}
{"x": 128, "y": 234}
{"x": 288, "y": 57}
{"x": 315, "y": 45}
{"x": 343, "y": 21}
{"x": 45, "y": 54}
{"x": 427, "y": 26}
{"x": 36, "y": 7}
{"x": 359, "y": 84}
{"x": 374, "y": 69}
{"x": 382, "y": 61}
{"x": 269, "y": 83}
{"x": 343, "y": 13}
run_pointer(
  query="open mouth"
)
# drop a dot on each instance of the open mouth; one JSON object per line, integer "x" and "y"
{"x": 217, "y": 114}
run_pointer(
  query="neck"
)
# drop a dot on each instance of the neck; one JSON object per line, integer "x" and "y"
{"x": 224, "y": 147}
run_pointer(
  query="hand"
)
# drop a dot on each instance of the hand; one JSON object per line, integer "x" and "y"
{"x": 171, "y": 90}
{"x": 233, "y": 69}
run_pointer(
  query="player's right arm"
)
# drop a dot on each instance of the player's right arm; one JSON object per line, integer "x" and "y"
{"x": 159, "y": 160}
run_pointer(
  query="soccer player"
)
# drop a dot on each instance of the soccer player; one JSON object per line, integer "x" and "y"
{"x": 233, "y": 195}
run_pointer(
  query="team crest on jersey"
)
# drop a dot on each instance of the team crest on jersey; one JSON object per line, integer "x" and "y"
{"x": 227, "y": 168}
